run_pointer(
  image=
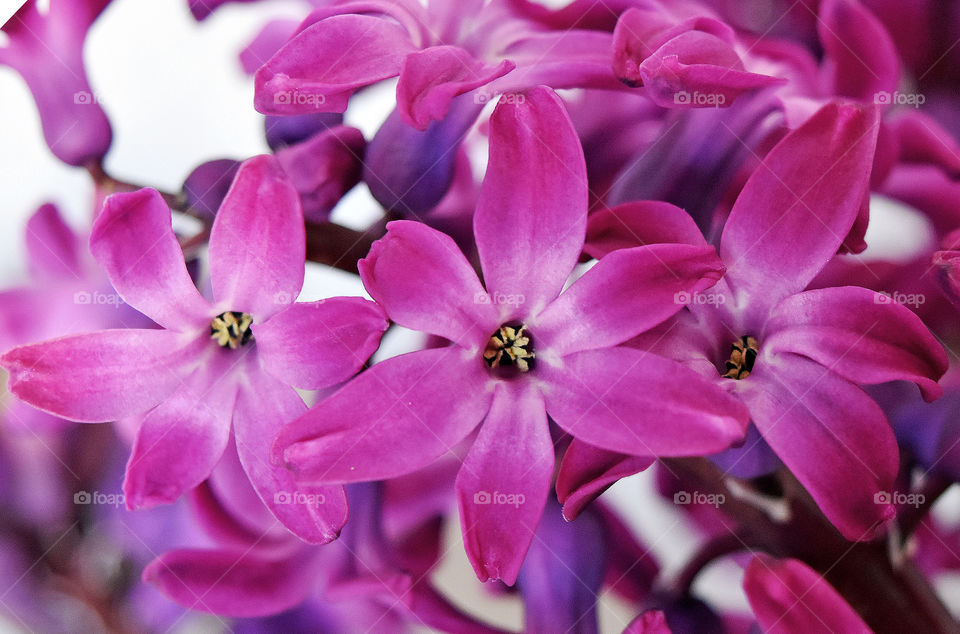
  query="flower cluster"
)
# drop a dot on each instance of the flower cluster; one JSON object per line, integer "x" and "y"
{"x": 624, "y": 237}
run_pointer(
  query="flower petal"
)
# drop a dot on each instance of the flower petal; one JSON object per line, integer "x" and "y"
{"x": 431, "y": 78}
{"x": 587, "y": 471}
{"x": 233, "y": 583}
{"x": 787, "y": 596}
{"x": 258, "y": 243}
{"x": 504, "y": 482}
{"x": 639, "y": 223}
{"x": 594, "y": 396}
{"x": 321, "y": 67}
{"x": 626, "y": 293}
{"x": 860, "y": 57}
{"x": 181, "y": 440}
{"x": 52, "y": 246}
{"x": 530, "y": 230}
{"x": 862, "y": 335}
{"x": 318, "y": 344}
{"x": 830, "y": 434}
{"x": 133, "y": 241}
{"x": 392, "y": 419}
{"x": 100, "y": 376}
{"x": 314, "y": 514}
{"x": 423, "y": 281}
{"x": 798, "y": 205}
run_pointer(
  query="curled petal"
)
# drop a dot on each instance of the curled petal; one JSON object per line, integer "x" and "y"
{"x": 639, "y": 223}
{"x": 861, "y": 58}
{"x": 587, "y": 471}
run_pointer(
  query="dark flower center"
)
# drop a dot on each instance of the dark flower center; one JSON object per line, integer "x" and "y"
{"x": 510, "y": 346}
{"x": 231, "y": 329}
{"x": 743, "y": 354}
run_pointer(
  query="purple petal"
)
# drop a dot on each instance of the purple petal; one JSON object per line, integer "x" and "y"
{"x": 787, "y": 596}
{"x": 530, "y": 230}
{"x": 323, "y": 65}
{"x": 639, "y": 223}
{"x": 257, "y": 244}
{"x": 392, "y": 419}
{"x": 318, "y": 344}
{"x": 650, "y": 622}
{"x": 626, "y": 293}
{"x": 238, "y": 583}
{"x": 286, "y": 130}
{"x": 53, "y": 248}
{"x": 100, "y": 376}
{"x": 798, "y": 205}
{"x": 863, "y": 336}
{"x": 423, "y": 281}
{"x": 431, "y": 78}
{"x": 133, "y": 240}
{"x": 587, "y": 471}
{"x": 860, "y": 57}
{"x": 268, "y": 41}
{"x": 208, "y": 184}
{"x": 827, "y": 431}
{"x": 504, "y": 481}
{"x": 314, "y": 514}
{"x": 593, "y": 395}
{"x": 181, "y": 440}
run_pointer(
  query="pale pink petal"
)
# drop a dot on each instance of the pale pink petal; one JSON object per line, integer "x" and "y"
{"x": 53, "y": 248}
{"x": 504, "y": 482}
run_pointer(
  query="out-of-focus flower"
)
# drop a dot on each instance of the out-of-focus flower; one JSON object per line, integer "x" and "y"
{"x": 47, "y": 50}
{"x": 212, "y": 366}
{"x": 519, "y": 351}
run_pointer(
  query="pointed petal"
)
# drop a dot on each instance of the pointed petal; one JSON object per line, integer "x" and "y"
{"x": 424, "y": 282}
{"x": 639, "y": 223}
{"x": 626, "y": 293}
{"x": 52, "y": 246}
{"x": 181, "y": 440}
{"x": 315, "y": 514}
{"x": 830, "y": 434}
{"x": 594, "y": 396}
{"x": 321, "y": 67}
{"x": 862, "y": 335}
{"x": 133, "y": 240}
{"x": 794, "y": 211}
{"x": 233, "y": 583}
{"x": 431, "y": 78}
{"x": 318, "y": 344}
{"x": 392, "y": 419}
{"x": 258, "y": 243}
{"x": 504, "y": 482}
{"x": 788, "y": 596}
{"x": 860, "y": 56}
{"x": 100, "y": 376}
{"x": 530, "y": 230}
{"x": 587, "y": 471}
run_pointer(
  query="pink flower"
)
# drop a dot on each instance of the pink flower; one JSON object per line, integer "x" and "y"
{"x": 213, "y": 365}
{"x": 520, "y": 349}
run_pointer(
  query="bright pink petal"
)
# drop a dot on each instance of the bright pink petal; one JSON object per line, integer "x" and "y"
{"x": 423, "y": 281}
{"x": 530, "y": 230}
{"x": 315, "y": 514}
{"x": 570, "y": 58}
{"x": 863, "y": 336}
{"x": 258, "y": 243}
{"x": 392, "y": 419}
{"x": 860, "y": 56}
{"x": 100, "y": 376}
{"x": 322, "y": 66}
{"x": 798, "y": 205}
{"x": 587, "y": 471}
{"x": 635, "y": 402}
{"x": 237, "y": 583}
{"x": 181, "y": 440}
{"x": 650, "y": 622}
{"x": 787, "y": 596}
{"x": 431, "y": 78}
{"x": 830, "y": 434}
{"x": 639, "y": 223}
{"x": 133, "y": 240}
{"x": 52, "y": 246}
{"x": 626, "y": 293}
{"x": 319, "y": 344}
{"x": 504, "y": 482}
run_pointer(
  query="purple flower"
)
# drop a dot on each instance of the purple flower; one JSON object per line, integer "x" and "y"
{"x": 519, "y": 351}
{"x": 47, "y": 50}
{"x": 212, "y": 365}
{"x": 794, "y": 357}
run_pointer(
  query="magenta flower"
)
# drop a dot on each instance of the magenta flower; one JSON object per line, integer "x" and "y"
{"x": 213, "y": 365}
{"x": 47, "y": 50}
{"x": 519, "y": 351}
{"x": 794, "y": 357}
